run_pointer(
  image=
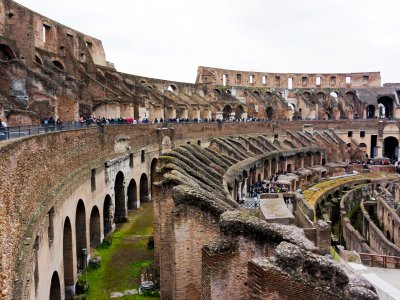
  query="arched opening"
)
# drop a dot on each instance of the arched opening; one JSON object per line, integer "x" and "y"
{"x": 268, "y": 94}
{"x": 144, "y": 188}
{"x": 218, "y": 91}
{"x": 370, "y": 111}
{"x": 257, "y": 92}
{"x": 132, "y": 195}
{"x": 119, "y": 190}
{"x": 55, "y": 287}
{"x": 391, "y": 147}
{"x": 6, "y": 53}
{"x": 95, "y": 231}
{"x": 80, "y": 234}
{"x": 321, "y": 96}
{"x": 107, "y": 214}
{"x": 266, "y": 169}
{"x": 270, "y": 113}
{"x": 58, "y": 64}
{"x": 335, "y": 96}
{"x": 239, "y": 112}
{"x": 171, "y": 88}
{"x": 297, "y": 161}
{"x": 386, "y": 107}
{"x": 68, "y": 260}
{"x": 273, "y": 166}
{"x": 226, "y": 113}
{"x": 388, "y": 235}
{"x": 36, "y": 272}
{"x": 38, "y": 60}
{"x": 153, "y": 171}
{"x": 282, "y": 164}
{"x": 307, "y": 95}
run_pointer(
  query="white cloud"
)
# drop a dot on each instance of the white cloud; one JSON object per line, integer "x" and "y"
{"x": 169, "y": 39}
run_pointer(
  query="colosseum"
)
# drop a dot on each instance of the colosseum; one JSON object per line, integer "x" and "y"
{"x": 260, "y": 185}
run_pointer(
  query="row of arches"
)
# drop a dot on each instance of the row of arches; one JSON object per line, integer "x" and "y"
{"x": 271, "y": 166}
{"x": 82, "y": 235}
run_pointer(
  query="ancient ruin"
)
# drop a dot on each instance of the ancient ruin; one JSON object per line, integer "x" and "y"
{"x": 320, "y": 148}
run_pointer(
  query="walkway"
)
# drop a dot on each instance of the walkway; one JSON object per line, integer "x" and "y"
{"x": 386, "y": 281}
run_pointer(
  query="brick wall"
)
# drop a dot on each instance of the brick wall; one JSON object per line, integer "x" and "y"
{"x": 269, "y": 283}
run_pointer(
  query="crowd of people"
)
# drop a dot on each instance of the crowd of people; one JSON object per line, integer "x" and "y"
{"x": 260, "y": 187}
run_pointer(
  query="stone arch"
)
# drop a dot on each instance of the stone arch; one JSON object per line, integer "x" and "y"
{"x": 317, "y": 158}
{"x": 107, "y": 214}
{"x": 172, "y": 88}
{"x": 119, "y": 190}
{"x": 55, "y": 287}
{"x": 282, "y": 163}
{"x": 68, "y": 259}
{"x": 391, "y": 147}
{"x": 270, "y": 112}
{"x": 95, "y": 231}
{"x": 6, "y": 53}
{"x": 321, "y": 96}
{"x": 370, "y": 111}
{"x": 218, "y": 91}
{"x": 226, "y": 113}
{"x": 307, "y": 95}
{"x": 239, "y": 110}
{"x": 38, "y": 59}
{"x": 144, "y": 188}
{"x": 58, "y": 64}
{"x": 257, "y": 92}
{"x": 266, "y": 169}
{"x": 387, "y": 103}
{"x": 80, "y": 234}
{"x": 153, "y": 171}
{"x": 132, "y": 195}
{"x": 36, "y": 271}
{"x": 268, "y": 94}
{"x": 297, "y": 161}
{"x": 273, "y": 166}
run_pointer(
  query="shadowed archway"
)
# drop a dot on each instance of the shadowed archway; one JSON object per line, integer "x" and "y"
{"x": 120, "y": 207}
{"x": 95, "y": 231}
{"x": 55, "y": 287}
{"x": 80, "y": 234}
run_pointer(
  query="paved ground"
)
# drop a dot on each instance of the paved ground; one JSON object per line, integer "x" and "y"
{"x": 386, "y": 281}
{"x": 252, "y": 203}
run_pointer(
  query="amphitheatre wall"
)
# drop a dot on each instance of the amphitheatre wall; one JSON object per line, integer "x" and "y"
{"x": 65, "y": 161}
{"x": 223, "y": 77}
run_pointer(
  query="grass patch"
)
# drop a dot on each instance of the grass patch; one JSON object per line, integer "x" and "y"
{"x": 123, "y": 258}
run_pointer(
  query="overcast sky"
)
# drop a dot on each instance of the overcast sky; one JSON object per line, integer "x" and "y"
{"x": 168, "y": 39}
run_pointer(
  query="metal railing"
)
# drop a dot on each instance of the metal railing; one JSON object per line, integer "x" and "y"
{"x": 21, "y": 131}
{"x": 27, "y": 130}
{"x": 381, "y": 261}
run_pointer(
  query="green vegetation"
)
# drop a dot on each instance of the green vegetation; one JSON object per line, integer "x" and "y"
{"x": 124, "y": 256}
{"x": 334, "y": 254}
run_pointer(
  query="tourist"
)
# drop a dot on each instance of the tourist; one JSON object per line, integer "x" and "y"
{"x": 59, "y": 124}
{"x": 3, "y": 124}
